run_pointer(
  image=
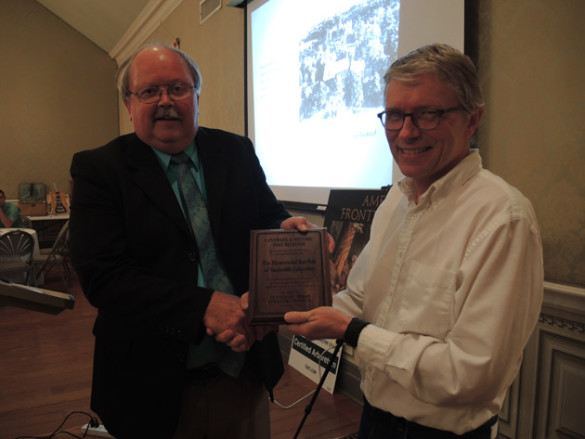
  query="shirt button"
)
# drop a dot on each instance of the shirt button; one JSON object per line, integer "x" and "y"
{"x": 192, "y": 257}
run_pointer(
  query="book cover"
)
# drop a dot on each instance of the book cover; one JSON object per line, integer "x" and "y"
{"x": 348, "y": 219}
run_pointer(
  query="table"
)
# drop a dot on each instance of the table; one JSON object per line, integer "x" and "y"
{"x": 48, "y": 227}
{"x": 36, "y": 252}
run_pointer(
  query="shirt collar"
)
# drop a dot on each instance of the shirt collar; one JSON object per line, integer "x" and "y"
{"x": 440, "y": 189}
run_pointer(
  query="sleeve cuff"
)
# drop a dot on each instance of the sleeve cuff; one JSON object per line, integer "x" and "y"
{"x": 352, "y": 333}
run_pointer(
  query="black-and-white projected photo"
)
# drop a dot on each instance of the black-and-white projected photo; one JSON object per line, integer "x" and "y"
{"x": 343, "y": 59}
{"x": 315, "y": 84}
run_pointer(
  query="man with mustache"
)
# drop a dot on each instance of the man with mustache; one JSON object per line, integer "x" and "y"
{"x": 443, "y": 298}
{"x": 166, "y": 275}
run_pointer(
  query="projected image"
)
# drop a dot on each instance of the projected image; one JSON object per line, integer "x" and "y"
{"x": 315, "y": 85}
{"x": 343, "y": 59}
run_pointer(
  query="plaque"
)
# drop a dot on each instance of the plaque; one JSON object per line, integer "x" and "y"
{"x": 289, "y": 271}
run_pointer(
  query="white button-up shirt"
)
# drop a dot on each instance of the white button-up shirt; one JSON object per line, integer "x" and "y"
{"x": 453, "y": 288}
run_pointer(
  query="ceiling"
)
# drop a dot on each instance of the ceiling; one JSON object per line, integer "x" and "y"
{"x": 102, "y": 21}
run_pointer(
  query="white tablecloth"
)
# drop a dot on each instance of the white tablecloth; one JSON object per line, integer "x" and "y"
{"x": 48, "y": 228}
{"x": 64, "y": 216}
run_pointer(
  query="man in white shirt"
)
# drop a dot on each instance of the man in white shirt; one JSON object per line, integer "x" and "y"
{"x": 444, "y": 297}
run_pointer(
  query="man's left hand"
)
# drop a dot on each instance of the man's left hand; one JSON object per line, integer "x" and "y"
{"x": 318, "y": 323}
{"x": 302, "y": 225}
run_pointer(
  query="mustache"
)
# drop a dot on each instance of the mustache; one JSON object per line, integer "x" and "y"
{"x": 166, "y": 113}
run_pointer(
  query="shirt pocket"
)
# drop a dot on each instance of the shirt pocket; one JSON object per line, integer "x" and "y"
{"x": 427, "y": 302}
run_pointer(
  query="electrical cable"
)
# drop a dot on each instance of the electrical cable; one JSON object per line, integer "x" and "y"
{"x": 294, "y": 403}
{"x": 93, "y": 422}
{"x": 319, "y": 358}
{"x": 309, "y": 407}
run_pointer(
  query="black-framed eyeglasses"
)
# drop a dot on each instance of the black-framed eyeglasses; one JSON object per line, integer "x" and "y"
{"x": 422, "y": 119}
{"x": 177, "y": 91}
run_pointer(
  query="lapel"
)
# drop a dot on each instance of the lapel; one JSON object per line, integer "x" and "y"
{"x": 147, "y": 173}
{"x": 214, "y": 160}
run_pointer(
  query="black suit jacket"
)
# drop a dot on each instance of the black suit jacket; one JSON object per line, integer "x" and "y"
{"x": 137, "y": 263}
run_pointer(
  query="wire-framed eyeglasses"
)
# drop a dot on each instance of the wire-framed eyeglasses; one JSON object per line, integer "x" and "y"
{"x": 177, "y": 91}
{"x": 422, "y": 119}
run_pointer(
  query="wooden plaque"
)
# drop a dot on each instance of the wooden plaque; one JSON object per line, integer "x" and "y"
{"x": 289, "y": 271}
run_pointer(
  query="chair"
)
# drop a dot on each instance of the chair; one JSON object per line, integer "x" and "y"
{"x": 27, "y": 222}
{"x": 57, "y": 255}
{"x": 16, "y": 254}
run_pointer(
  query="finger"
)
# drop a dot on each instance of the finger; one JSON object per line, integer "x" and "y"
{"x": 238, "y": 339}
{"x": 241, "y": 348}
{"x": 331, "y": 243}
{"x": 295, "y": 317}
{"x": 225, "y": 336}
{"x": 296, "y": 222}
{"x": 239, "y": 343}
{"x": 244, "y": 301}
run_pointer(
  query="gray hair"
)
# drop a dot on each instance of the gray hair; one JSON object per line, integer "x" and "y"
{"x": 449, "y": 65}
{"x": 123, "y": 75}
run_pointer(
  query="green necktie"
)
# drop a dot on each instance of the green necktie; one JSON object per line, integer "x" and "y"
{"x": 194, "y": 204}
{"x": 215, "y": 277}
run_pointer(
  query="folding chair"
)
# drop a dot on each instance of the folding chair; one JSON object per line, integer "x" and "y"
{"x": 16, "y": 254}
{"x": 58, "y": 255}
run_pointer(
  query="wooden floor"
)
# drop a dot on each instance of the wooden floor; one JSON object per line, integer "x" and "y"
{"x": 45, "y": 374}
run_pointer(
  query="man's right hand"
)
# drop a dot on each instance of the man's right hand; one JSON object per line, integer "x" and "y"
{"x": 225, "y": 316}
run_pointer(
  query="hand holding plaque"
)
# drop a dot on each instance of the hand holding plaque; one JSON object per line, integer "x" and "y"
{"x": 289, "y": 271}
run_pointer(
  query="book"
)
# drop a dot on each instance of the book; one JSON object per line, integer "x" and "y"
{"x": 348, "y": 219}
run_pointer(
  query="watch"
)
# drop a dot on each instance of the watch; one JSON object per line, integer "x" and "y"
{"x": 353, "y": 331}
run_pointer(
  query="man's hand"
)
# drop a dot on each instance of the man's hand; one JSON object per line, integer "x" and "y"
{"x": 260, "y": 331}
{"x": 255, "y": 333}
{"x": 226, "y": 320}
{"x": 318, "y": 323}
{"x": 302, "y": 225}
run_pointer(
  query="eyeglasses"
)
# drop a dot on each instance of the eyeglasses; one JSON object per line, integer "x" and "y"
{"x": 422, "y": 119}
{"x": 177, "y": 91}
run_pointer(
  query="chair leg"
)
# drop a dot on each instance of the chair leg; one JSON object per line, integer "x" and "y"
{"x": 38, "y": 274}
{"x": 65, "y": 276}
{"x": 31, "y": 277}
{"x": 67, "y": 270}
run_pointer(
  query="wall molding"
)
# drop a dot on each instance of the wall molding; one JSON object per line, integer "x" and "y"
{"x": 148, "y": 21}
{"x": 565, "y": 298}
{"x": 560, "y": 322}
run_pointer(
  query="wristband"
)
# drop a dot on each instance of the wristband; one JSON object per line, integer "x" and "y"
{"x": 353, "y": 331}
